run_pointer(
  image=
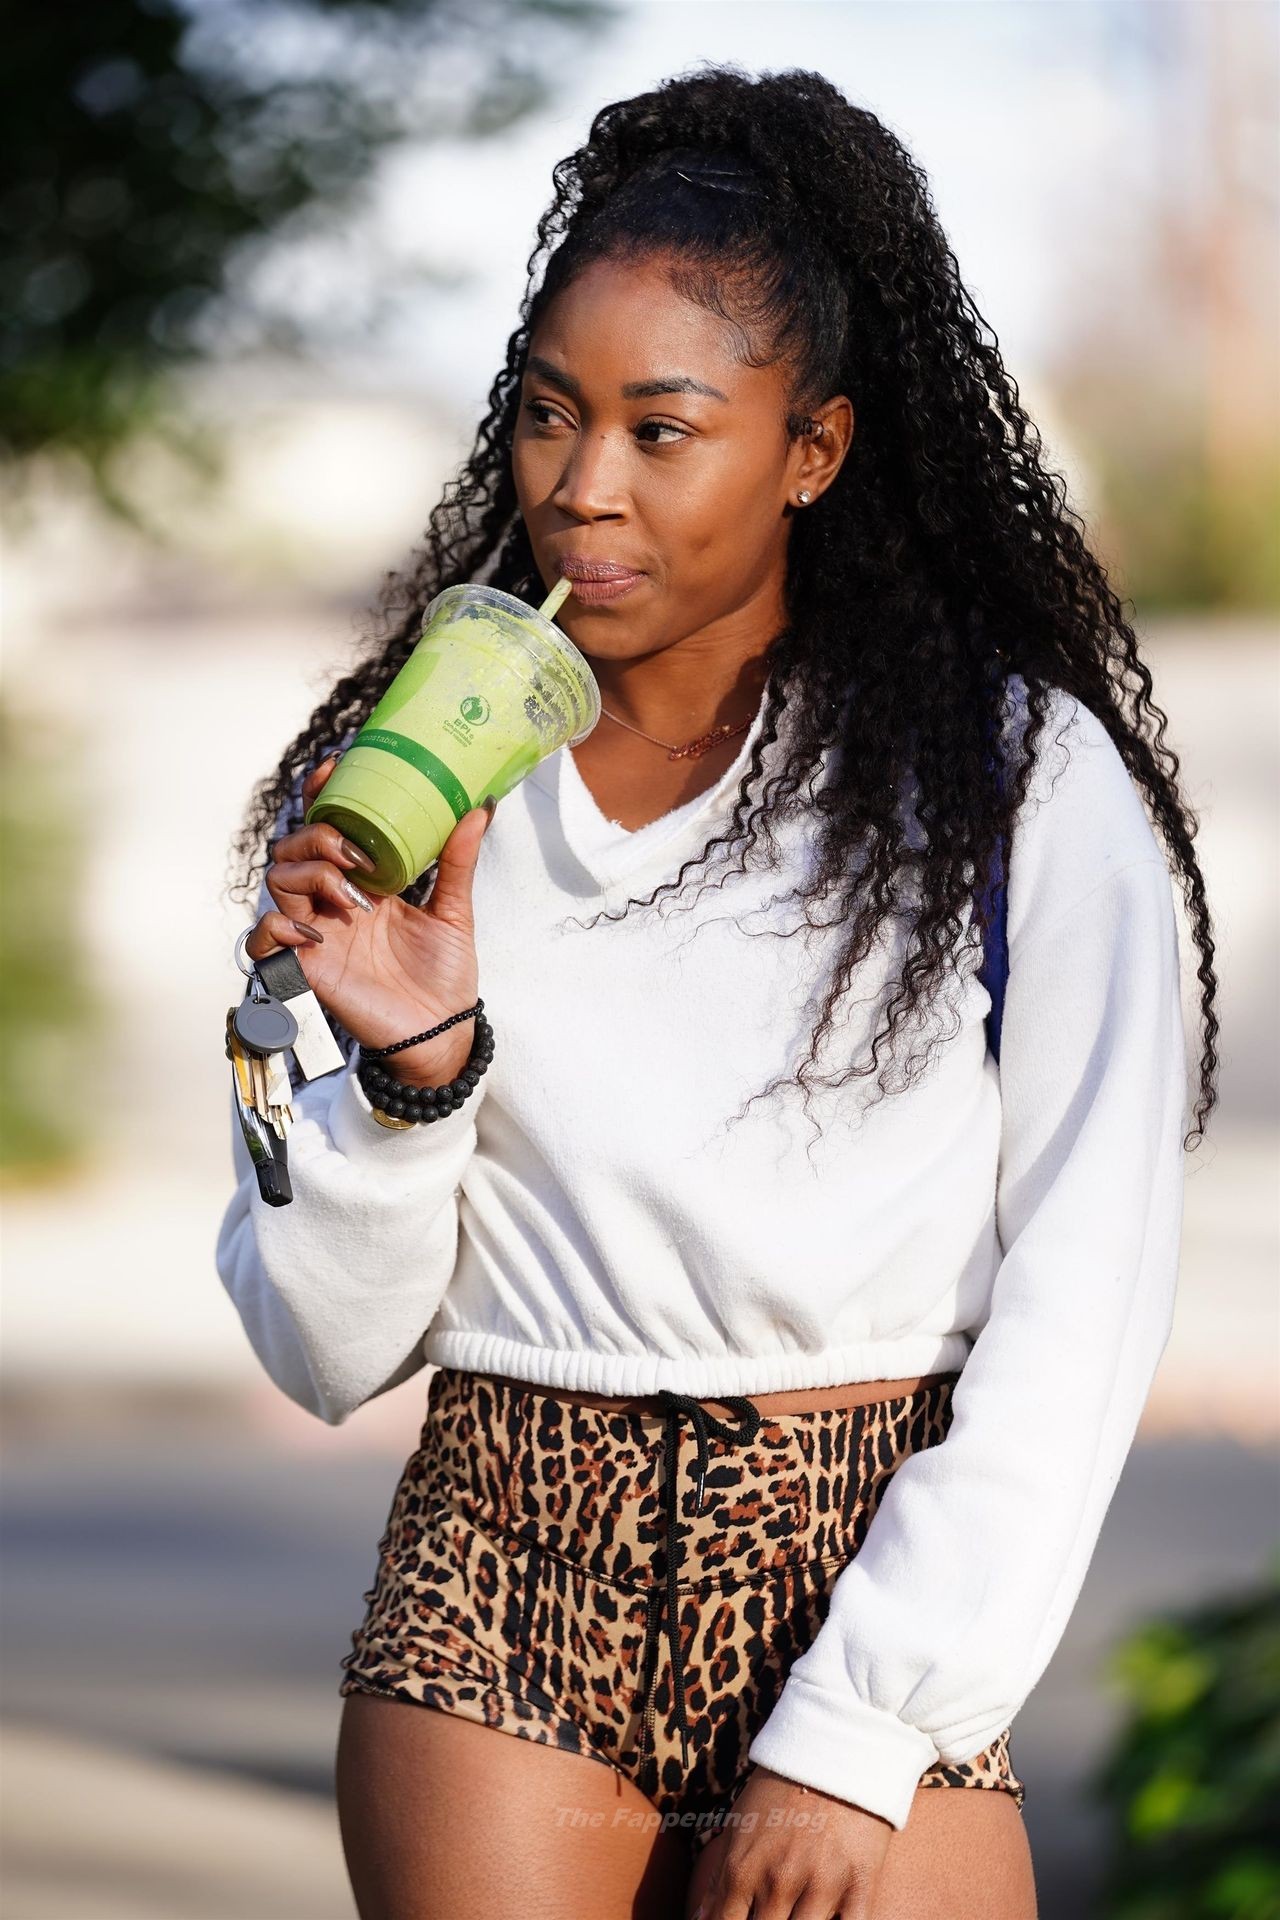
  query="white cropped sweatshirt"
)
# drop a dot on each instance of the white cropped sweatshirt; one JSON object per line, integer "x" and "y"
{"x": 612, "y": 1211}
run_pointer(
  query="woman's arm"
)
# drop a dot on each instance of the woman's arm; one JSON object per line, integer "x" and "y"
{"x": 337, "y": 1290}
{"x": 948, "y": 1615}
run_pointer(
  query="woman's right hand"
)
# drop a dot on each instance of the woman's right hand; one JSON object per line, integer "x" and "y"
{"x": 387, "y": 969}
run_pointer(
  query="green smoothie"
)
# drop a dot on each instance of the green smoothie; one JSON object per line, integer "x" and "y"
{"x": 491, "y": 688}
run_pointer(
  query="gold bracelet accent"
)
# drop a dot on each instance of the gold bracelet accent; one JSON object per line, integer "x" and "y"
{"x": 390, "y": 1120}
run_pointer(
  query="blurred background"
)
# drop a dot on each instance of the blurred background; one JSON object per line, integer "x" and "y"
{"x": 258, "y": 265}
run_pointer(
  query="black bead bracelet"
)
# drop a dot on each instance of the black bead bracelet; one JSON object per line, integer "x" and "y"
{"x": 411, "y": 1105}
{"x": 416, "y": 1039}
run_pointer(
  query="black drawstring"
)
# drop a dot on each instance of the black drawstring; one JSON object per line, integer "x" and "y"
{"x": 674, "y": 1404}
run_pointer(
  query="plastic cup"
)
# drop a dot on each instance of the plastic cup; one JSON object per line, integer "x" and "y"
{"x": 491, "y": 688}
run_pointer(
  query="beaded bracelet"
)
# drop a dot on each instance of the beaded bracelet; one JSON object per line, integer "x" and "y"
{"x": 416, "y": 1039}
{"x": 396, "y": 1103}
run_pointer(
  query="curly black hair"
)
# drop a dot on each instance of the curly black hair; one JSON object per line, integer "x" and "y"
{"x": 941, "y": 565}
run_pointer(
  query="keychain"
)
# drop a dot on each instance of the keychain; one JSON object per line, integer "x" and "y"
{"x": 279, "y": 1013}
{"x": 262, "y": 1127}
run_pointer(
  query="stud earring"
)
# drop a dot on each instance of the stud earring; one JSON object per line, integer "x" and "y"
{"x": 805, "y": 496}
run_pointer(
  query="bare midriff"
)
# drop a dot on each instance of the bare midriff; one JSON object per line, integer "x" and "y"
{"x": 853, "y": 1393}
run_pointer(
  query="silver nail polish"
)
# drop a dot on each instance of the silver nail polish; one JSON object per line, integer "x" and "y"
{"x": 355, "y": 896}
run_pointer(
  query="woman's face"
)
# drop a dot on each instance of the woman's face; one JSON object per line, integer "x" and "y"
{"x": 644, "y": 442}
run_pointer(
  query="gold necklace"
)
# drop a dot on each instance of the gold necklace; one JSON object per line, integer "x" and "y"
{"x": 693, "y": 749}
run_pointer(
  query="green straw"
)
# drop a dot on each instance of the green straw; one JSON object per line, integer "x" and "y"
{"x": 555, "y": 599}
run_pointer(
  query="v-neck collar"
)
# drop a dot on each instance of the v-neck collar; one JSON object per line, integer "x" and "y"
{"x": 611, "y": 853}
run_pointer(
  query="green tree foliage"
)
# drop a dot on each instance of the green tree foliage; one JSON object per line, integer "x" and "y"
{"x": 147, "y": 148}
{"x": 1192, "y": 1782}
{"x": 145, "y": 143}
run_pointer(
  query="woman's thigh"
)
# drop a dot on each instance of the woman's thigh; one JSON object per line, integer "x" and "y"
{"x": 442, "y": 1816}
{"x": 963, "y": 1855}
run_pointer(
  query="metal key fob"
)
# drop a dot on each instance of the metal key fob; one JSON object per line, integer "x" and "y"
{"x": 263, "y": 1024}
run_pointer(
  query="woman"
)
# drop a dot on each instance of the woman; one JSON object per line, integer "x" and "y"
{"x": 764, "y": 1459}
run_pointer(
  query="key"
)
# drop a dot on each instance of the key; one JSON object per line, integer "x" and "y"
{"x": 278, "y": 1112}
{"x": 279, "y": 1088}
{"x": 258, "y": 1072}
{"x": 239, "y": 1061}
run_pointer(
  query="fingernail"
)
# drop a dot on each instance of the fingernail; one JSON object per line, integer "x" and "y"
{"x": 309, "y": 931}
{"x": 358, "y": 854}
{"x": 331, "y": 759}
{"x": 355, "y": 896}
{"x": 490, "y": 807}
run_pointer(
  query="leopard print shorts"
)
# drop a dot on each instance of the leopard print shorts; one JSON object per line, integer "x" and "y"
{"x": 522, "y": 1579}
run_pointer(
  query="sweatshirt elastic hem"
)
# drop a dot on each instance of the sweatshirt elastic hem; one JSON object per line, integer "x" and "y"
{"x": 572, "y": 1369}
{"x": 857, "y": 1753}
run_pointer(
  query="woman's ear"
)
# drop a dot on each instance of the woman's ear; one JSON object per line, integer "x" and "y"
{"x": 821, "y": 450}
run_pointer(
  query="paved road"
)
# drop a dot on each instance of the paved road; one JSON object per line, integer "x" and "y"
{"x": 177, "y": 1604}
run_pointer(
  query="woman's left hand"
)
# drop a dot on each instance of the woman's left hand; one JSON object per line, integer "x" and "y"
{"x": 802, "y": 1854}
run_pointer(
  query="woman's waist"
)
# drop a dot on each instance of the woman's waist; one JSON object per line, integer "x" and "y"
{"x": 851, "y": 1393}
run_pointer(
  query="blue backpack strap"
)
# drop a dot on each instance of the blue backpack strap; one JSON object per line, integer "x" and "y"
{"x": 994, "y": 971}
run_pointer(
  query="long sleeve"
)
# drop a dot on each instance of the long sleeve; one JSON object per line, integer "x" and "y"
{"x": 336, "y": 1290}
{"x": 947, "y": 1616}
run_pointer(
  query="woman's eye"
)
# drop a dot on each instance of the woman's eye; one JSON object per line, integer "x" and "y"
{"x": 539, "y": 409}
{"x": 661, "y": 426}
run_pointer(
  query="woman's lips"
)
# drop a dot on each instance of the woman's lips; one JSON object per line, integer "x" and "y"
{"x": 599, "y": 580}
{"x": 590, "y": 592}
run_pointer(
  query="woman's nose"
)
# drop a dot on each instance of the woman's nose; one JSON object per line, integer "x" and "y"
{"x": 591, "y": 485}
